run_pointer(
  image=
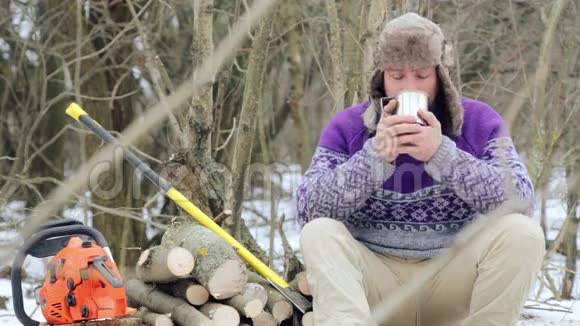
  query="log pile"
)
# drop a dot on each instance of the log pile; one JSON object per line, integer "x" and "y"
{"x": 195, "y": 278}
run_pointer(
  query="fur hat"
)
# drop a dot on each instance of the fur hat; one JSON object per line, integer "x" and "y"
{"x": 415, "y": 42}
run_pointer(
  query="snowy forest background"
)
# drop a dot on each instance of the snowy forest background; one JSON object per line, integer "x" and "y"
{"x": 242, "y": 134}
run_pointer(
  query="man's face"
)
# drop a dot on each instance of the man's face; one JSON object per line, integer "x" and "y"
{"x": 423, "y": 79}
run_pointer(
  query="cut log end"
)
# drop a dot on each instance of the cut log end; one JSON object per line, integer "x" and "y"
{"x": 226, "y": 316}
{"x": 180, "y": 262}
{"x": 164, "y": 264}
{"x": 159, "y": 320}
{"x": 162, "y": 320}
{"x": 257, "y": 291}
{"x": 197, "y": 295}
{"x": 251, "y": 301}
{"x": 217, "y": 265}
{"x": 253, "y": 308}
{"x": 264, "y": 318}
{"x": 282, "y": 310}
{"x": 308, "y": 319}
{"x": 302, "y": 282}
{"x": 229, "y": 279}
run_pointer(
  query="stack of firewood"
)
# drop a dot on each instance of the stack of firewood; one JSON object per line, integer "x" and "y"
{"x": 195, "y": 278}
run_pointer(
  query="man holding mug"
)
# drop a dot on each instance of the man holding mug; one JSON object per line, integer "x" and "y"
{"x": 389, "y": 190}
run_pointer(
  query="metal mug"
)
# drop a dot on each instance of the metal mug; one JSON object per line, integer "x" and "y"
{"x": 409, "y": 102}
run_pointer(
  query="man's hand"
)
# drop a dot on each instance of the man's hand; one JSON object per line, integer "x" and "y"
{"x": 390, "y": 126}
{"x": 423, "y": 144}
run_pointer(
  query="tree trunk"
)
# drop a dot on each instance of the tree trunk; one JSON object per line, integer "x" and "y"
{"x": 50, "y": 163}
{"x": 295, "y": 98}
{"x": 217, "y": 266}
{"x": 29, "y": 147}
{"x": 543, "y": 217}
{"x": 377, "y": 14}
{"x": 246, "y": 129}
{"x": 336, "y": 58}
{"x": 113, "y": 188}
{"x": 200, "y": 118}
{"x": 204, "y": 189}
{"x": 356, "y": 20}
{"x": 540, "y": 162}
{"x": 571, "y": 236}
{"x": 570, "y": 247}
{"x": 192, "y": 169}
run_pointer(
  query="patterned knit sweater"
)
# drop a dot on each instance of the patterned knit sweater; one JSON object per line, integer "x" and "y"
{"x": 410, "y": 208}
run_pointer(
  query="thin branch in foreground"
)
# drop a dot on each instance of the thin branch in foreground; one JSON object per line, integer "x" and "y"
{"x": 547, "y": 309}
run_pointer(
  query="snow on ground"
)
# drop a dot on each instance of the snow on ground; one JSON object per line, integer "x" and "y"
{"x": 567, "y": 312}
{"x": 259, "y": 207}
{"x": 547, "y": 317}
{"x": 7, "y": 316}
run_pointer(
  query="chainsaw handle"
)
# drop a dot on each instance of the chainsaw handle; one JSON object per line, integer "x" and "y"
{"x": 62, "y": 222}
{"x": 16, "y": 273}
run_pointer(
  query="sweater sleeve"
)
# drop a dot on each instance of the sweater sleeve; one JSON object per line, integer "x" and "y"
{"x": 485, "y": 182}
{"x": 336, "y": 185}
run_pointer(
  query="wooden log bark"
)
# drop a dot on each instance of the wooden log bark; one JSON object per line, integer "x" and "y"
{"x": 280, "y": 307}
{"x": 296, "y": 95}
{"x": 264, "y": 318}
{"x": 336, "y": 57}
{"x": 300, "y": 283}
{"x": 244, "y": 138}
{"x": 152, "y": 318}
{"x": 164, "y": 264}
{"x": 251, "y": 301}
{"x": 194, "y": 293}
{"x": 221, "y": 314}
{"x": 570, "y": 245}
{"x": 218, "y": 267}
{"x": 200, "y": 115}
{"x": 181, "y": 311}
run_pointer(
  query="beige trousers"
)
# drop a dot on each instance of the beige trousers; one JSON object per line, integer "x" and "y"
{"x": 486, "y": 283}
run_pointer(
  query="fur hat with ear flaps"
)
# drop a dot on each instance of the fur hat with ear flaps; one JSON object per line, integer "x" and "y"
{"x": 415, "y": 42}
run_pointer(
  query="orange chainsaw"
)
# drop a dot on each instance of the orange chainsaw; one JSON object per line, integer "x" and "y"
{"x": 82, "y": 281}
